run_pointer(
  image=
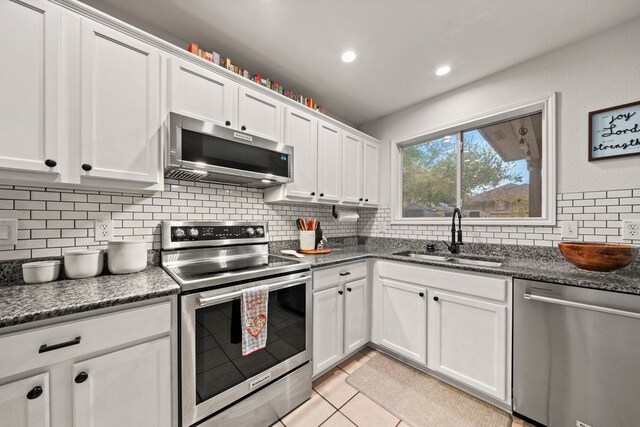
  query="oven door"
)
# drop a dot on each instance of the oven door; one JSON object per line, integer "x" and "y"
{"x": 214, "y": 374}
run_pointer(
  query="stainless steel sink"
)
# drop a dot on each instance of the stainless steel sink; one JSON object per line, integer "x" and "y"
{"x": 452, "y": 260}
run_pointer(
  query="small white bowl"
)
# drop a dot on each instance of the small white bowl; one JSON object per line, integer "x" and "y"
{"x": 40, "y": 271}
{"x": 83, "y": 263}
{"x": 126, "y": 256}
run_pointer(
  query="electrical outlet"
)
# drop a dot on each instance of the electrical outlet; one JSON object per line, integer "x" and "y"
{"x": 103, "y": 230}
{"x": 569, "y": 229}
{"x": 631, "y": 229}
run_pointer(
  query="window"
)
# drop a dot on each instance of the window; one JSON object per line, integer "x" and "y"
{"x": 498, "y": 169}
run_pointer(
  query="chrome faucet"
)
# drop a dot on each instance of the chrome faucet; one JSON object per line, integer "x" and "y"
{"x": 454, "y": 247}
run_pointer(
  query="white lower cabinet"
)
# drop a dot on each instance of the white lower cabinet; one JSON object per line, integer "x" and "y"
{"x": 403, "y": 319}
{"x": 340, "y": 314}
{"x": 25, "y": 402}
{"x": 130, "y": 387}
{"x": 468, "y": 341}
{"x": 111, "y": 369}
{"x": 455, "y": 323}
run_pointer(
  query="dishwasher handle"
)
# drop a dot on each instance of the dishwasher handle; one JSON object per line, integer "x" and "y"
{"x": 581, "y": 305}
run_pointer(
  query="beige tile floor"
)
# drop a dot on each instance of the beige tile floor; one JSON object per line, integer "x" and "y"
{"x": 334, "y": 403}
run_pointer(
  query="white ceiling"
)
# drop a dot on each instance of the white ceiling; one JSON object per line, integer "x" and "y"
{"x": 399, "y": 43}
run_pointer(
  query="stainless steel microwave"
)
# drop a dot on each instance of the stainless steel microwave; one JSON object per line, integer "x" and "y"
{"x": 205, "y": 151}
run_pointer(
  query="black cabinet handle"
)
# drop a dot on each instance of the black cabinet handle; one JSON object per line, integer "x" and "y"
{"x": 349, "y": 289}
{"x": 50, "y": 163}
{"x": 346, "y": 273}
{"x": 243, "y": 127}
{"x": 227, "y": 123}
{"x": 360, "y": 199}
{"x": 366, "y": 200}
{"x": 313, "y": 193}
{"x": 341, "y": 292}
{"x": 436, "y": 299}
{"x": 81, "y": 377}
{"x": 321, "y": 194}
{"x": 34, "y": 393}
{"x": 44, "y": 347}
{"x": 421, "y": 294}
{"x": 86, "y": 167}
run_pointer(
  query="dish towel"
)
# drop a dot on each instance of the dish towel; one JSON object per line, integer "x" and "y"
{"x": 254, "y": 319}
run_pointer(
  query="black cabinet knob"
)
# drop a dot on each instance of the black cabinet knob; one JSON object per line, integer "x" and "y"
{"x": 321, "y": 194}
{"x": 360, "y": 199}
{"x": 341, "y": 292}
{"x": 243, "y": 127}
{"x": 227, "y": 123}
{"x": 366, "y": 200}
{"x": 50, "y": 163}
{"x": 34, "y": 393}
{"x": 313, "y": 193}
{"x": 87, "y": 167}
{"x": 436, "y": 299}
{"x": 349, "y": 289}
{"x": 81, "y": 377}
{"x": 421, "y": 294}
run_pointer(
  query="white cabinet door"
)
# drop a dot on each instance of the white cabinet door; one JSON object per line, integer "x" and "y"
{"x": 468, "y": 341}
{"x": 130, "y": 387}
{"x": 259, "y": 114}
{"x": 203, "y": 94}
{"x": 403, "y": 319}
{"x": 301, "y": 132}
{"x": 371, "y": 180}
{"x": 29, "y": 48}
{"x": 351, "y": 169}
{"x": 327, "y": 328}
{"x": 120, "y": 91}
{"x": 25, "y": 403}
{"x": 329, "y": 162}
{"x": 356, "y": 315}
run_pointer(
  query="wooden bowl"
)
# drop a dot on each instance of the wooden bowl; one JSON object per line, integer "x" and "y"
{"x": 598, "y": 256}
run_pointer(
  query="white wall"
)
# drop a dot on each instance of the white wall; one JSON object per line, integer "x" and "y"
{"x": 592, "y": 74}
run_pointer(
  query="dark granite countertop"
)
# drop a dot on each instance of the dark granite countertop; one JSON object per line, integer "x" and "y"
{"x": 23, "y": 303}
{"x": 542, "y": 268}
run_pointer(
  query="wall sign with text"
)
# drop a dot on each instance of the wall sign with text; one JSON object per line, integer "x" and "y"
{"x": 614, "y": 132}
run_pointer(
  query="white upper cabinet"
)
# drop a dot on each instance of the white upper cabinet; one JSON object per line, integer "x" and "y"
{"x": 25, "y": 403}
{"x": 30, "y": 52}
{"x": 329, "y": 162}
{"x": 351, "y": 169}
{"x": 371, "y": 176}
{"x": 302, "y": 134}
{"x": 203, "y": 94}
{"x": 259, "y": 114}
{"x": 120, "y": 93}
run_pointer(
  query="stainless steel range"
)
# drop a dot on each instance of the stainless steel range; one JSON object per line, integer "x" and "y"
{"x": 214, "y": 262}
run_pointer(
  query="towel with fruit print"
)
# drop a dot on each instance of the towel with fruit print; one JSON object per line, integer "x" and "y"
{"x": 254, "y": 319}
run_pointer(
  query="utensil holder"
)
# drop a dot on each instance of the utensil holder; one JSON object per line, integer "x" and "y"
{"x": 307, "y": 240}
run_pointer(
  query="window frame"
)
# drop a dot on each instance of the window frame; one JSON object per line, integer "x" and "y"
{"x": 545, "y": 104}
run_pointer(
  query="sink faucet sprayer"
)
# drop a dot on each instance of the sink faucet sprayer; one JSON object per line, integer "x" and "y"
{"x": 454, "y": 247}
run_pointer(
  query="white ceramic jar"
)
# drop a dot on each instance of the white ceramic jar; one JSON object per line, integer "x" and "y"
{"x": 83, "y": 263}
{"x": 126, "y": 256}
{"x": 40, "y": 271}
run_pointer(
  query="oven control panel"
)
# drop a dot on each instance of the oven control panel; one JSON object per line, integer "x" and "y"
{"x": 204, "y": 233}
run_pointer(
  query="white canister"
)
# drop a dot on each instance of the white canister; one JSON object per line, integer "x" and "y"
{"x": 41, "y": 271}
{"x": 83, "y": 263}
{"x": 307, "y": 240}
{"x": 127, "y": 256}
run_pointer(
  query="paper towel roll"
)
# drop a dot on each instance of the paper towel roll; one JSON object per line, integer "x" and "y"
{"x": 347, "y": 216}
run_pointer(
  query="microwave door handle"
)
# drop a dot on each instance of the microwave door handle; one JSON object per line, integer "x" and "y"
{"x": 204, "y": 301}
{"x": 581, "y": 305}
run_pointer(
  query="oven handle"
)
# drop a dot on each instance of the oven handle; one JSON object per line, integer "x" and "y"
{"x": 233, "y": 295}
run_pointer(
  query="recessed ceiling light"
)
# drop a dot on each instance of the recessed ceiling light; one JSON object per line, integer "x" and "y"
{"x": 443, "y": 70}
{"x": 349, "y": 56}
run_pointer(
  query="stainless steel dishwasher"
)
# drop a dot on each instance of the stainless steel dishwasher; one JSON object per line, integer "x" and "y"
{"x": 576, "y": 359}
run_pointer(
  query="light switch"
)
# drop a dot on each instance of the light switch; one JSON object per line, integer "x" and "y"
{"x": 8, "y": 232}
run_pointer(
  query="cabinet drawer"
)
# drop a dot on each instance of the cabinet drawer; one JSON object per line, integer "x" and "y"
{"x": 331, "y": 276}
{"x": 23, "y": 351}
{"x": 476, "y": 284}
